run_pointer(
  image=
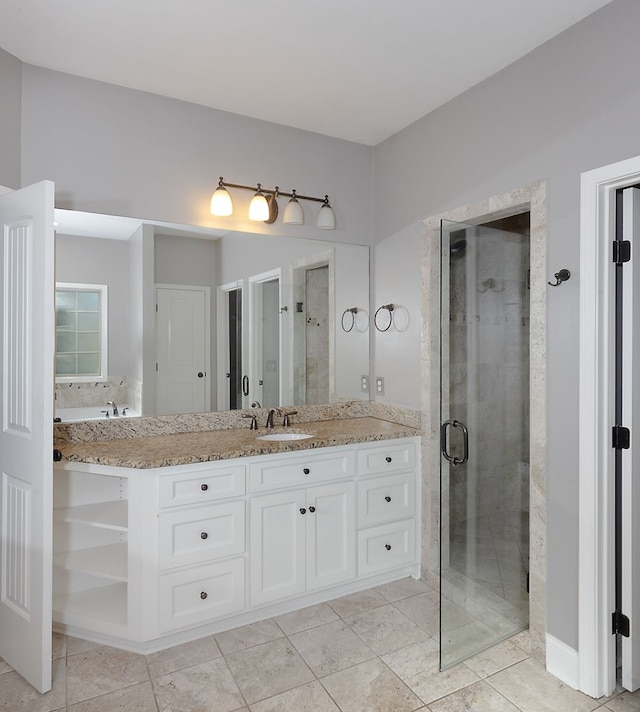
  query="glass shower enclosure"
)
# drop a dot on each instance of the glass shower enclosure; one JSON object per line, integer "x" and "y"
{"x": 484, "y": 437}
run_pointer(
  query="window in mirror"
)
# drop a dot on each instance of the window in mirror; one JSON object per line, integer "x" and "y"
{"x": 81, "y": 332}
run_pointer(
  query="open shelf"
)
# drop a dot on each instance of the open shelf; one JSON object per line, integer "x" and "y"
{"x": 106, "y": 603}
{"x": 107, "y": 561}
{"x": 104, "y": 515}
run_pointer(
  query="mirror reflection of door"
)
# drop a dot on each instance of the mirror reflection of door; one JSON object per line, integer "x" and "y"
{"x": 182, "y": 334}
{"x": 264, "y": 341}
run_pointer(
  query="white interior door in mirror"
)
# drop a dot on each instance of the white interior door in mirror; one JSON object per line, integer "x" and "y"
{"x": 182, "y": 333}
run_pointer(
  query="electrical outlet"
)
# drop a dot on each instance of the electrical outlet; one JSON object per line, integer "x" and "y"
{"x": 364, "y": 384}
{"x": 379, "y": 385}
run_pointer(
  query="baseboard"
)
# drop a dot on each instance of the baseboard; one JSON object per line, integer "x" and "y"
{"x": 562, "y": 661}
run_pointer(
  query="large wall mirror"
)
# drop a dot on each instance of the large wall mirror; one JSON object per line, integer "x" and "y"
{"x": 200, "y": 320}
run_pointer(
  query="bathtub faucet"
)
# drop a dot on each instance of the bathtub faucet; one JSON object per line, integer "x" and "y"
{"x": 114, "y": 406}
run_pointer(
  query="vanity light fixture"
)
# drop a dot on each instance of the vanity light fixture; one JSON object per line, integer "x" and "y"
{"x": 264, "y": 205}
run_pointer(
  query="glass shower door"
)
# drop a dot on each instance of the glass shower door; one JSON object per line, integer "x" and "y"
{"x": 484, "y": 438}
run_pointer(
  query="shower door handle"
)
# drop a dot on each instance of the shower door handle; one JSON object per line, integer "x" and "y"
{"x": 245, "y": 385}
{"x": 458, "y": 425}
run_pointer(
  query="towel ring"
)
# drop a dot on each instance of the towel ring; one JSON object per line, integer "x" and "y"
{"x": 353, "y": 311}
{"x": 389, "y": 308}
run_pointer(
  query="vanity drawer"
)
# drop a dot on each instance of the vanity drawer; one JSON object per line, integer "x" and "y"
{"x": 196, "y": 596}
{"x": 386, "y": 547}
{"x": 196, "y": 535}
{"x": 386, "y": 499}
{"x": 306, "y": 469}
{"x": 390, "y": 457}
{"x": 202, "y": 485}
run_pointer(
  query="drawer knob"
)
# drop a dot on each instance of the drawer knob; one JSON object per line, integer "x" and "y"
{"x": 387, "y": 499}
{"x": 387, "y": 547}
{"x": 306, "y": 470}
{"x": 203, "y": 535}
{"x": 204, "y": 486}
{"x": 388, "y": 458}
{"x": 303, "y": 510}
{"x": 203, "y": 595}
{"x": 312, "y": 509}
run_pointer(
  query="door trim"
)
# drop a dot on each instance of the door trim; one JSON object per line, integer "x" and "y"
{"x": 597, "y": 654}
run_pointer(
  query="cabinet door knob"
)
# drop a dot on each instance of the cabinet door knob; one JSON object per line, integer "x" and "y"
{"x": 312, "y": 509}
{"x": 204, "y": 486}
{"x": 387, "y": 499}
{"x": 303, "y": 510}
{"x": 387, "y": 458}
{"x": 387, "y": 547}
{"x": 203, "y": 595}
{"x": 203, "y": 535}
{"x": 306, "y": 470}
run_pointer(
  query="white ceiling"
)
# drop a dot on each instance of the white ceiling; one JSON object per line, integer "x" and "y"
{"x": 360, "y": 70}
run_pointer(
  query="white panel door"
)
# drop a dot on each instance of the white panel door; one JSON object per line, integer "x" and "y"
{"x": 182, "y": 330}
{"x": 631, "y": 457}
{"x": 26, "y": 436}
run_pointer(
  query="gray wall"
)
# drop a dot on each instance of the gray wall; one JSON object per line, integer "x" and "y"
{"x": 125, "y": 152}
{"x": 10, "y": 92}
{"x": 570, "y": 106}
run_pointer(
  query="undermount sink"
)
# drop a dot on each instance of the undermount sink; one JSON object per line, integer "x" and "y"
{"x": 282, "y": 437}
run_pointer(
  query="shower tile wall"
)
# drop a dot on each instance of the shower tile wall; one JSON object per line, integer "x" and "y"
{"x": 490, "y": 364}
{"x": 120, "y": 389}
{"x": 317, "y": 335}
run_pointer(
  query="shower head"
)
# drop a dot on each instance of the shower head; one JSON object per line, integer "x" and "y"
{"x": 458, "y": 247}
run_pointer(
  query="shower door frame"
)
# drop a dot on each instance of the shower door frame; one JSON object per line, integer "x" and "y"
{"x": 532, "y": 199}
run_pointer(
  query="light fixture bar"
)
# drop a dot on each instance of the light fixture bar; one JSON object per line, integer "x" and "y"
{"x": 274, "y": 191}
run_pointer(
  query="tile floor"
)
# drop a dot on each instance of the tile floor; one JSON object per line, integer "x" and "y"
{"x": 374, "y": 651}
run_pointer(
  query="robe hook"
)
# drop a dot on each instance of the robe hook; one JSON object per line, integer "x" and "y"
{"x": 561, "y": 276}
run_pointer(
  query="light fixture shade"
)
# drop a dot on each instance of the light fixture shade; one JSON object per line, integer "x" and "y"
{"x": 221, "y": 204}
{"x": 326, "y": 216}
{"x": 259, "y": 207}
{"x": 293, "y": 214}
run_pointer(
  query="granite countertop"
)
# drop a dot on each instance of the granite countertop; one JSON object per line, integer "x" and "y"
{"x": 206, "y": 446}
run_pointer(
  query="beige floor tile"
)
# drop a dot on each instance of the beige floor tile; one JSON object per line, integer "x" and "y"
{"x": 423, "y": 610}
{"x": 58, "y": 646}
{"x": 478, "y": 697}
{"x": 463, "y": 642}
{"x": 4, "y": 666}
{"x": 413, "y": 659}
{"x": 17, "y": 695}
{"x": 268, "y": 669}
{"x": 430, "y": 684}
{"x": 78, "y": 645}
{"x": 306, "y": 618}
{"x": 522, "y": 640}
{"x": 182, "y": 656}
{"x": 370, "y": 687}
{"x": 103, "y": 670}
{"x": 531, "y": 688}
{"x": 403, "y": 588}
{"x": 357, "y": 603}
{"x": 208, "y": 687}
{"x": 247, "y": 636}
{"x": 385, "y": 629}
{"x": 626, "y": 702}
{"x": 331, "y": 647}
{"x": 138, "y": 698}
{"x": 496, "y": 658}
{"x": 308, "y": 698}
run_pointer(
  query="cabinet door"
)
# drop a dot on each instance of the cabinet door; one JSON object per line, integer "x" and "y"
{"x": 331, "y": 538}
{"x": 277, "y": 546}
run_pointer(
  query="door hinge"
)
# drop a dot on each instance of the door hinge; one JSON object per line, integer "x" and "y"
{"x": 621, "y": 251}
{"x": 621, "y": 437}
{"x": 620, "y": 624}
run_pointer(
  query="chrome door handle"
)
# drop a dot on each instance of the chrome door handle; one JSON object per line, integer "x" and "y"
{"x": 245, "y": 385}
{"x": 459, "y": 425}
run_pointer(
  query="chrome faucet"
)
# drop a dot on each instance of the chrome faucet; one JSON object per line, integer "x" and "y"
{"x": 269, "y": 423}
{"x": 114, "y": 406}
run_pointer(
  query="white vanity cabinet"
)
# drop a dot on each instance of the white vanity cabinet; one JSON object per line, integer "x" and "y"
{"x": 149, "y": 558}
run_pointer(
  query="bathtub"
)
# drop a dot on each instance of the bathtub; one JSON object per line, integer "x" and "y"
{"x": 72, "y": 415}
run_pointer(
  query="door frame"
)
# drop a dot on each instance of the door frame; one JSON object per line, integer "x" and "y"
{"x": 596, "y": 601}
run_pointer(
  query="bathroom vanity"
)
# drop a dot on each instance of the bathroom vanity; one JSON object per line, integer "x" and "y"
{"x": 154, "y": 549}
